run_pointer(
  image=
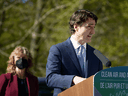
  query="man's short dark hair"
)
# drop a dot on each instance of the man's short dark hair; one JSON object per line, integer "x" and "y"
{"x": 79, "y": 17}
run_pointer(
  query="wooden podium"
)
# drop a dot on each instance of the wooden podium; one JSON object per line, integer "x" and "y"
{"x": 79, "y": 89}
{"x": 108, "y": 82}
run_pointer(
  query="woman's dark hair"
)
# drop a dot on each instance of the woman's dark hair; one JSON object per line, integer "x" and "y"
{"x": 79, "y": 17}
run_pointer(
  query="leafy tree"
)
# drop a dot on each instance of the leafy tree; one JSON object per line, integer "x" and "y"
{"x": 39, "y": 24}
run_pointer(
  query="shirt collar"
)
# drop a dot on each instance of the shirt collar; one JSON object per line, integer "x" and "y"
{"x": 76, "y": 44}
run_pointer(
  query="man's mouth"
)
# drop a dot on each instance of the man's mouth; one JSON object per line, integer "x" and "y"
{"x": 89, "y": 35}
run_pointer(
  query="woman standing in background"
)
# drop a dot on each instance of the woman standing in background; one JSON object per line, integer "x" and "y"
{"x": 18, "y": 81}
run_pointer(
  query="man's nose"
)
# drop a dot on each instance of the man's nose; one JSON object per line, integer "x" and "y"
{"x": 92, "y": 31}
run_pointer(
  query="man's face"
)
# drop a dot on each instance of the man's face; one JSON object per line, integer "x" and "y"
{"x": 84, "y": 33}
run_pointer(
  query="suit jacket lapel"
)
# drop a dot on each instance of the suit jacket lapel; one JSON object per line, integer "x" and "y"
{"x": 15, "y": 86}
{"x": 28, "y": 81}
{"x": 88, "y": 58}
{"x": 72, "y": 54}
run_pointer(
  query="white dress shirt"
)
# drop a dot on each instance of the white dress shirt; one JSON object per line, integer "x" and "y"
{"x": 76, "y": 45}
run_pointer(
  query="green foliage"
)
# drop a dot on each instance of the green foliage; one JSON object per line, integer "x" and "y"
{"x": 48, "y": 20}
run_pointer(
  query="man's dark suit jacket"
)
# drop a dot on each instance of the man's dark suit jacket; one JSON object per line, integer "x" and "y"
{"x": 63, "y": 65}
{"x": 9, "y": 85}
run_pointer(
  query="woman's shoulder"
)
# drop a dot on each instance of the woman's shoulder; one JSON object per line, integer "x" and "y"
{"x": 30, "y": 75}
{"x": 6, "y": 75}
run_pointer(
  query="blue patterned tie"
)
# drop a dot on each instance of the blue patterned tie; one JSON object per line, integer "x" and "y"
{"x": 81, "y": 58}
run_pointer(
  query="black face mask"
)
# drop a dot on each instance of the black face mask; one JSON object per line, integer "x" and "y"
{"x": 22, "y": 63}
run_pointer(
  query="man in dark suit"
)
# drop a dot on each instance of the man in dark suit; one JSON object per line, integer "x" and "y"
{"x": 73, "y": 60}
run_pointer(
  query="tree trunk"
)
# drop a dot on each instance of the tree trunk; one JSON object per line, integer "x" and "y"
{"x": 2, "y": 17}
{"x": 34, "y": 40}
{"x": 81, "y": 4}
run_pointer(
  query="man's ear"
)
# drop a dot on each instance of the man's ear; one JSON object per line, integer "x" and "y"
{"x": 76, "y": 27}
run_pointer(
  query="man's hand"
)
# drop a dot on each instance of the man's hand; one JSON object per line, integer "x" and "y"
{"x": 78, "y": 79}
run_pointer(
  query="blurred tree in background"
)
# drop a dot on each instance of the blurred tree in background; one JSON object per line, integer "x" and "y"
{"x": 39, "y": 24}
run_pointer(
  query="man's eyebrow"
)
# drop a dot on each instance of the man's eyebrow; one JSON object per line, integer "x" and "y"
{"x": 91, "y": 24}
